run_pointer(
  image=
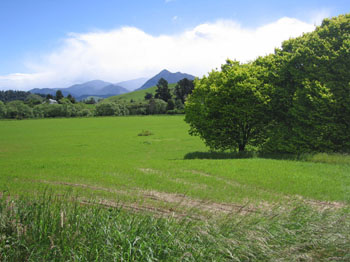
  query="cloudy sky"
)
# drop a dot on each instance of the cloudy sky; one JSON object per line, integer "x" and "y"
{"x": 56, "y": 43}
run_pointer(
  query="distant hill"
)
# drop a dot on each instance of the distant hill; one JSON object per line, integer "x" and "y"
{"x": 172, "y": 78}
{"x": 80, "y": 91}
{"x": 132, "y": 84}
{"x": 138, "y": 95}
{"x": 104, "y": 89}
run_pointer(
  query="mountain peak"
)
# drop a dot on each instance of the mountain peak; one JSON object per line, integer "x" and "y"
{"x": 168, "y": 76}
{"x": 164, "y": 71}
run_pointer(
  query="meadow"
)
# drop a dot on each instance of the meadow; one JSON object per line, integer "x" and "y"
{"x": 150, "y": 172}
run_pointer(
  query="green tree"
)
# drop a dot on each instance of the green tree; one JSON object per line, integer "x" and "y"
{"x": 33, "y": 100}
{"x": 18, "y": 110}
{"x": 229, "y": 109}
{"x": 71, "y": 98}
{"x": 2, "y": 110}
{"x": 183, "y": 88}
{"x": 90, "y": 101}
{"x": 178, "y": 104}
{"x": 170, "y": 105}
{"x": 106, "y": 109}
{"x": 12, "y": 95}
{"x": 163, "y": 91}
{"x": 59, "y": 95}
{"x": 49, "y": 96}
{"x": 148, "y": 96}
{"x": 311, "y": 95}
{"x": 156, "y": 106}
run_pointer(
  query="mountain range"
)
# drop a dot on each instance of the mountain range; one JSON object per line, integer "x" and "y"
{"x": 172, "y": 78}
{"x": 105, "y": 89}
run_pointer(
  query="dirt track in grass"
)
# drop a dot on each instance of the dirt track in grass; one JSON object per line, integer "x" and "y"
{"x": 180, "y": 205}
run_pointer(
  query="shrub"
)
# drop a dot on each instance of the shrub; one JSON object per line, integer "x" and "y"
{"x": 145, "y": 133}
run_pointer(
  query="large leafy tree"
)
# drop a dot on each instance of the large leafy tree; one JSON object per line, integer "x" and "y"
{"x": 162, "y": 91}
{"x": 311, "y": 94}
{"x": 229, "y": 109}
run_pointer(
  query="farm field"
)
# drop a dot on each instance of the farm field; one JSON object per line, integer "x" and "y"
{"x": 106, "y": 157}
{"x": 162, "y": 197}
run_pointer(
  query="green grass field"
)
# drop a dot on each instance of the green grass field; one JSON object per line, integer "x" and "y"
{"x": 108, "y": 153}
{"x": 195, "y": 205}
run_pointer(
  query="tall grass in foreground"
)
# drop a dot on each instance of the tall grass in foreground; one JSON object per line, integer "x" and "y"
{"x": 48, "y": 228}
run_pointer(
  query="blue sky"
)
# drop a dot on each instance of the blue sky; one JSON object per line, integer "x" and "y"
{"x": 34, "y": 34}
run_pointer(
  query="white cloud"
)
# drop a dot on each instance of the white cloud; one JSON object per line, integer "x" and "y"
{"x": 128, "y": 53}
{"x": 318, "y": 16}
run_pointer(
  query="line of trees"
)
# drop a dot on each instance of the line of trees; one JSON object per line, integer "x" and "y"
{"x": 293, "y": 101}
{"x": 12, "y": 95}
{"x": 174, "y": 99}
{"x": 165, "y": 101}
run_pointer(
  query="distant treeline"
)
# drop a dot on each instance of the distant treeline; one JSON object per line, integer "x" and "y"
{"x": 12, "y": 95}
{"x": 29, "y": 105}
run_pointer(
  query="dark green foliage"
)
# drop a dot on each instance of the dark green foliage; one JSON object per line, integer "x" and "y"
{"x": 163, "y": 91}
{"x": 229, "y": 108}
{"x": 148, "y": 96}
{"x": 59, "y": 95}
{"x": 49, "y": 96}
{"x": 18, "y": 110}
{"x": 33, "y": 100}
{"x": 111, "y": 109}
{"x": 54, "y": 110}
{"x": 90, "y": 101}
{"x": 156, "y": 106}
{"x": 311, "y": 94}
{"x": 138, "y": 108}
{"x": 2, "y": 110}
{"x": 170, "y": 105}
{"x": 306, "y": 107}
{"x": 11, "y": 95}
{"x": 179, "y": 105}
{"x": 71, "y": 99}
{"x": 106, "y": 109}
{"x": 183, "y": 88}
{"x": 66, "y": 109}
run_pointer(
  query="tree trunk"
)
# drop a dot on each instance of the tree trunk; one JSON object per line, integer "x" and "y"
{"x": 241, "y": 147}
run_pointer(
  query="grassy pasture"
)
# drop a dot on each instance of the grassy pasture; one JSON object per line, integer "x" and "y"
{"x": 107, "y": 153}
{"x": 84, "y": 175}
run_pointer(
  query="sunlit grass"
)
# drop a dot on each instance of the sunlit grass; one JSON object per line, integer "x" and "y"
{"x": 109, "y": 153}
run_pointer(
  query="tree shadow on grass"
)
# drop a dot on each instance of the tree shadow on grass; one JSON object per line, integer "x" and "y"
{"x": 240, "y": 155}
{"x": 219, "y": 155}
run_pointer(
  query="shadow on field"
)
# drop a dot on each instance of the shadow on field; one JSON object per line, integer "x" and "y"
{"x": 219, "y": 155}
{"x": 240, "y": 155}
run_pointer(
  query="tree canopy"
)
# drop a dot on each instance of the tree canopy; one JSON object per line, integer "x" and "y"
{"x": 295, "y": 100}
{"x": 183, "y": 88}
{"x": 163, "y": 91}
{"x": 229, "y": 108}
{"x": 311, "y": 94}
